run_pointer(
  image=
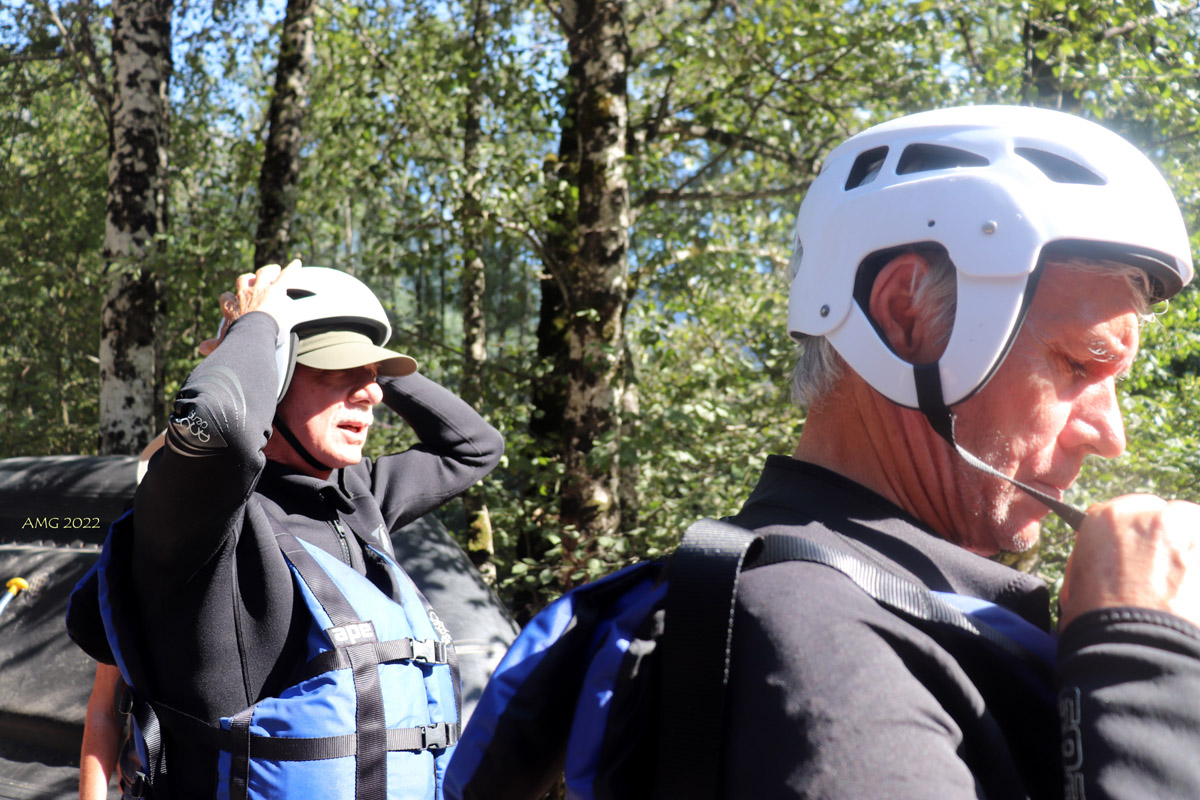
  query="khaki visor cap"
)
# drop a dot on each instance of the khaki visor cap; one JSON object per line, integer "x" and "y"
{"x": 347, "y": 350}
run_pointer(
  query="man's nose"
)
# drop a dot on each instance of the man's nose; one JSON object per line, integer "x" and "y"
{"x": 1096, "y": 422}
{"x": 367, "y": 392}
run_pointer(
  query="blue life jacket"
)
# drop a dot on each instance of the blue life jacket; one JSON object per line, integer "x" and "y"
{"x": 618, "y": 686}
{"x": 374, "y": 712}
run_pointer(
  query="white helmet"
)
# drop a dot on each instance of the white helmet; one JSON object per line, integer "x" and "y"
{"x": 329, "y": 299}
{"x": 332, "y": 321}
{"x": 996, "y": 186}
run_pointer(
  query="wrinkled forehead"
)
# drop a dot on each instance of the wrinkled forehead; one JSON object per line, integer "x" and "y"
{"x": 1084, "y": 310}
{"x": 1120, "y": 283}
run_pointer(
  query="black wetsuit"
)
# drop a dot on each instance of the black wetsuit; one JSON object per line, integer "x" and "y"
{"x": 221, "y": 619}
{"x": 833, "y": 696}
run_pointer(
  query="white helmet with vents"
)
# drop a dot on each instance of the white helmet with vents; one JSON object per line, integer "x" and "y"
{"x": 999, "y": 187}
{"x": 329, "y": 299}
{"x": 335, "y": 322}
{"x": 332, "y": 321}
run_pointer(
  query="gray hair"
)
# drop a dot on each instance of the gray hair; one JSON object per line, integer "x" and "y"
{"x": 818, "y": 365}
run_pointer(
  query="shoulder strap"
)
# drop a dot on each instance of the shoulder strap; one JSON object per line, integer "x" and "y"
{"x": 702, "y": 577}
{"x": 899, "y": 595}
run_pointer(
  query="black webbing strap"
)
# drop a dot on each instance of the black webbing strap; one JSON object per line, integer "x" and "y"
{"x": 153, "y": 774}
{"x": 300, "y": 449}
{"x": 702, "y": 580}
{"x": 428, "y": 651}
{"x": 701, "y": 600}
{"x": 941, "y": 419}
{"x": 239, "y": 767}
{"x": 287, "y": 748}
{"x": 892, "y": 591}
{"x": 371, "y": 751}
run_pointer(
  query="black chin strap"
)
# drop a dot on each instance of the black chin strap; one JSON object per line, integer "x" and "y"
{"x": 932, "y": 405}
{"x": 291, "y": 439}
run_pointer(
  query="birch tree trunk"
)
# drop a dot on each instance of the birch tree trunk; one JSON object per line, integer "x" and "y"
{"x": 281, "y": 161}
{"x": 132, "y": 315}
{"x": 479, "y": 526}
{"x": 597, "y": 276}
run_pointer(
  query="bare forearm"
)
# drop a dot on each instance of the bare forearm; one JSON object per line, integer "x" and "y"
{"x": 102, "y": 731}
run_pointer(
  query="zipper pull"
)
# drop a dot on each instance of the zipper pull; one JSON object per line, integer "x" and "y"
{"x": 341, "y": 532}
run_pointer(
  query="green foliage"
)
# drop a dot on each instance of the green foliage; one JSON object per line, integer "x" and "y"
{"x": 732, "y": 108}
{"x": 52, "y": 185}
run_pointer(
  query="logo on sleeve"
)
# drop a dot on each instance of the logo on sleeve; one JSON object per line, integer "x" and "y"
{"x": 352, "y": 633}
{"x": 195, "y": 433}
{"x": 1070, "y": 717}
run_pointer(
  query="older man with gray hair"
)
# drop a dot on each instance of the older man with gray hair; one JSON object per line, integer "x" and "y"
{"x": 967, "y": 287}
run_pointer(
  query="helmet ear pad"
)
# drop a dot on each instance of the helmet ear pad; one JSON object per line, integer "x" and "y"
{"x": 885, "y": 347}
{"x": 285, "y": 363}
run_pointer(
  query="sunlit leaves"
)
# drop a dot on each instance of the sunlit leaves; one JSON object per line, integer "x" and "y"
{"x": 733, "y": 108}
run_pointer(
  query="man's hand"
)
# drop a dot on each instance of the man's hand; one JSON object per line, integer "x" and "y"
{"x": 1136, "y": 550}
{"x": 264, "y": 290}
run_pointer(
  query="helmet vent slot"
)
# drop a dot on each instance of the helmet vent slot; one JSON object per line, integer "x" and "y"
{"x": 866, "y": 167}
{"x": 1059, "y": 169}
{"x": 298, "y": 294}
{"x": 928, "y": 157}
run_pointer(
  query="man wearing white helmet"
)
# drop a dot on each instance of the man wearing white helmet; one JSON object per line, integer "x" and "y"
{"x": 967, "y": 287}
{"x": 272, "y": 645}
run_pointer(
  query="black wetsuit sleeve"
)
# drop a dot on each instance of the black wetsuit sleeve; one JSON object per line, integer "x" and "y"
{"x": 457, "y": 448}
{"x": 193, "y": 497}
{"x": 1129, "y": 704}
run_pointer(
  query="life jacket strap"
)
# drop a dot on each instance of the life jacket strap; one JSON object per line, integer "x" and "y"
{"x": 425, "y": 651}
{"x": 438, "y": 736}
{"x": 906, "y": 597}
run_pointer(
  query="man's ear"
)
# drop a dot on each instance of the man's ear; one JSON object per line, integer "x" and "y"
{"x": 893, "y": 307}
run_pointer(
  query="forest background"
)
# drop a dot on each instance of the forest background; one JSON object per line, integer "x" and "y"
{"x": 577, "y": 212}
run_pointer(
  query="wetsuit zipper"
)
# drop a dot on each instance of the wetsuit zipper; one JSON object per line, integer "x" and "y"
{"x": 341, "y": 532}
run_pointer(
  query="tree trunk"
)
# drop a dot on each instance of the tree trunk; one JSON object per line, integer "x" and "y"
{"x": 131, "y": 324}
{"x": 281, "y": 161}
{"x": 553, "y": 335}
{"x": 629, "y": 466}
{"x": 479, "y": 526}
{"x": 597, "y": 279}
{"x": 548, "y": 393}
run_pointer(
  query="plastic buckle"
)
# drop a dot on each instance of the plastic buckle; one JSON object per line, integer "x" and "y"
{"x": 435, "y": 737}
{"x": 138, "y": 786}
{"x": 428, "y": 650}
{"x": 125, "y": 700}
